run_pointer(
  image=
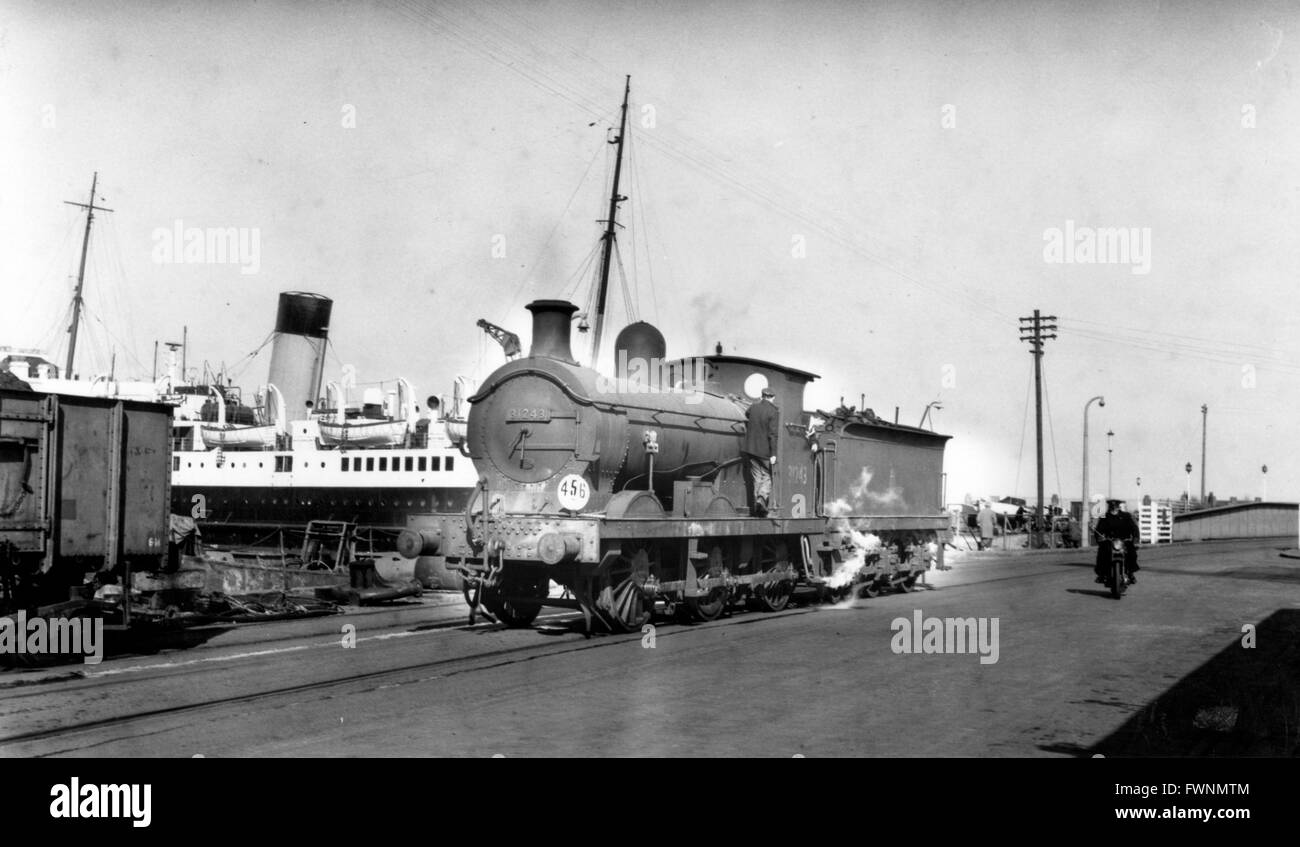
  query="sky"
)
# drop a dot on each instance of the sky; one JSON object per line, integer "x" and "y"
{"x": 873, "y": 192}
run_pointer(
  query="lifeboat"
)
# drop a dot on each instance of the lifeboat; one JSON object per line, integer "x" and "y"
{"x": 229, "y": 436}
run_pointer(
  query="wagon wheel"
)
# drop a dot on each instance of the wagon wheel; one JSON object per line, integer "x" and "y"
{"x": 621, "y": 600}
{"x": 517, "y": 599}
{"x": 711, "y": 605}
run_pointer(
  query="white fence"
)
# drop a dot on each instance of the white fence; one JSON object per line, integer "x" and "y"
{"x": 1155, "y": 524}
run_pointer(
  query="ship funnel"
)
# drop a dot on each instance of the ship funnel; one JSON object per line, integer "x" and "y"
{"x": 551, "y": 325}
{"x": 298, "y": 349}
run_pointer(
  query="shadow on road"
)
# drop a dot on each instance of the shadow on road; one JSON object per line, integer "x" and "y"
{"x": 1091, "y": 592}
{"x": 1245, "y": 701}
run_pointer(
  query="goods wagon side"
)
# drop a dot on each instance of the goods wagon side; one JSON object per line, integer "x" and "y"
{"x": 84, "y": 489}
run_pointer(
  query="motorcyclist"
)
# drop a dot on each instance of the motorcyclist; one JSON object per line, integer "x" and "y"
{"x": 1116, "y": 523}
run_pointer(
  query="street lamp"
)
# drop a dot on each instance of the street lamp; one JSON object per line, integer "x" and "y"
{"x": 1084, "y": 514}
{"x": 1189, "y": 485}
{"x": 1110, "y": 465}
{"x": 1264, "y": 471}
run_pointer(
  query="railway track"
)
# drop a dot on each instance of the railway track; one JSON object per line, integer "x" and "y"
{"x": 507, "y": 651}
{"x": 190, "y": 673}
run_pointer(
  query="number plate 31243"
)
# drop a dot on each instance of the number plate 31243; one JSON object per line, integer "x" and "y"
{"x": 528, "y": 415}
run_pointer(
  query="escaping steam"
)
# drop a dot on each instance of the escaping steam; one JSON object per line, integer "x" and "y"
{"x": 864, "y": 544}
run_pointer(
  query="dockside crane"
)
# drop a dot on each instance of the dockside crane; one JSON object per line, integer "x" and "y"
{"x": 508, "y": 340}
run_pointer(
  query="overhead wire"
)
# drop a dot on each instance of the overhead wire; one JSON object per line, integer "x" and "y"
{"x": 822, "y": 220}
{"x": 1109, "y": 325}
{"x": 43, "y": 281}
{"x": 629, "y": 305}
{"x": 505, "y": 313}
{"x": 1024, "y": 424}
{"x": 642, "y": 222}
{"x": 1051, "y": 431}
{"x": 1176, "y": 350}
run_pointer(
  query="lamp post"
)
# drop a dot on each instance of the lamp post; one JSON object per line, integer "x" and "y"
{"x": 1085, "y": 514}
{"x": 1188, "y": 468}
{"x": 1205, "y": 411}
{"x": 1110, "y": 464}
{"x": 1264, "y": 471}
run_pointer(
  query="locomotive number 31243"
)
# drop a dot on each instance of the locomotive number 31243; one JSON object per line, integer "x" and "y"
{"x": 526, "y": 414}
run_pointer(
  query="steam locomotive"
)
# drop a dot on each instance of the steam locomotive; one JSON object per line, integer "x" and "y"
{"x": 632, "y": 493}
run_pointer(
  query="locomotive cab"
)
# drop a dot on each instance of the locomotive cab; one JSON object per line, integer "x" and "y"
{"x": 743, "y": 378}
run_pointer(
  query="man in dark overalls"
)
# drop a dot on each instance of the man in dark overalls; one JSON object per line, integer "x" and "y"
{"x": 759, "y": 448}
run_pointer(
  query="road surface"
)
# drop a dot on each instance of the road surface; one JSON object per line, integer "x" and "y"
{"x": 1199, "y": 658}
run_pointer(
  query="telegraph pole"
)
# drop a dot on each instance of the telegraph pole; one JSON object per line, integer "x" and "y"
{"x": 90, "y": 208}
{"x": 1205, "y": 410}
{"x": 1036, "y": 331}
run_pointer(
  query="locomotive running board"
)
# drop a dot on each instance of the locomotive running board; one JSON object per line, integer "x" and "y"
{"x": 641, "y": 528}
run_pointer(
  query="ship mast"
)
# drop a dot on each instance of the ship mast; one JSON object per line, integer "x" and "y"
{"x": 608, "y": 237}
{"x": 90, "y": 208}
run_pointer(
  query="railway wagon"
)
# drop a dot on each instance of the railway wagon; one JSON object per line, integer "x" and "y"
{"x": 84, "y": 494}
{"x": 632, "y": 494}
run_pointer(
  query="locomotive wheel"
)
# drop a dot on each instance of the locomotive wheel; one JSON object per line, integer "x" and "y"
{"x": 711, "y": 606}
{"x": 836, "y": 595}
{"x": 869, "y": 589}
{"x": 506, "y": 604}
{"x": 774, "y": 596}
{"x": 620, "y": 599}
{"x": 908, "y": 584}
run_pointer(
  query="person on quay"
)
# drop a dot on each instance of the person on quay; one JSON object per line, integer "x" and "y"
{"x": 987, "y": 519}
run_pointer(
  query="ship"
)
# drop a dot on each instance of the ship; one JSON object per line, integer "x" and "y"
{"x": 256, "y": 475}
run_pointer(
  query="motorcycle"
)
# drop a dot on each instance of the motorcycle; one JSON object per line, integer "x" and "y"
{"x": 1117, "y": 576}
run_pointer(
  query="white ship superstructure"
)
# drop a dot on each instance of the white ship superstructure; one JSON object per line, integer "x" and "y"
{"x": 244, "y": 473}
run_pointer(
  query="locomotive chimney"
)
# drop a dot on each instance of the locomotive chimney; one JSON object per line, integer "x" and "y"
{"x": 551, "y": 324}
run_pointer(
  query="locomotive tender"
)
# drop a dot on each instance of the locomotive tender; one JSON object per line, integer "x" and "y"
{"x": 631, "y": 493}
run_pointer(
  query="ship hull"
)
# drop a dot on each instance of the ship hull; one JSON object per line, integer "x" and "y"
{"x": 256, "y": 515}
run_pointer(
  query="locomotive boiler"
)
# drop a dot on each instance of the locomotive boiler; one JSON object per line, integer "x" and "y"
{"x": 631, "y": 492}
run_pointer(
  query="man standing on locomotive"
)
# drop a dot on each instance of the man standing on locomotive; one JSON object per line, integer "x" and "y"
{"x": 759, "y": 448}
{"x": 1117, "y": 524}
